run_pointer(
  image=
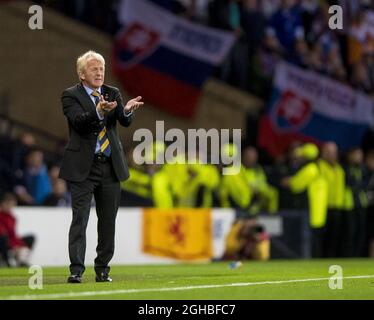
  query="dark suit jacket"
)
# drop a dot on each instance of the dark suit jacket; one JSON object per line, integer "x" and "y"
{"x": 84, "y": 127}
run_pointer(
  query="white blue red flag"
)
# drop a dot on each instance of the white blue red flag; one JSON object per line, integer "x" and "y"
{"x": 306, "y": 106}
{"x": 166, "y": 58}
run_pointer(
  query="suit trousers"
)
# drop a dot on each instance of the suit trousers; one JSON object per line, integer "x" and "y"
{"x": 103, "y": 185}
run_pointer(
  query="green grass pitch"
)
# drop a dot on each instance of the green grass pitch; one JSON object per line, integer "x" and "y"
{"x": 295, "y": 279}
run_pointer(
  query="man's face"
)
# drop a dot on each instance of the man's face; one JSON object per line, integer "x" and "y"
{"x": 330, "y": 152}
{"x": 93, "y": 75}
{"x": 250, "y": 157}
{"x": 8, "y": 205}
{"x": 35, "y": 159}
{"x": 59, "y": 187}
{"x": 370, "y": 161}
{"x": 356, "y": 157}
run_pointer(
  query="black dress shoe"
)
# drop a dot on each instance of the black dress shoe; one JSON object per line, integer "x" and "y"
{"x": 75, "y": 278}
{"x": 103, "y": 277}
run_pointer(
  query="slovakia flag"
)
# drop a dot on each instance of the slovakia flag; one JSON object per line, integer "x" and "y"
{"x": 166, "y": 58}
{"x": 305, "y": 106}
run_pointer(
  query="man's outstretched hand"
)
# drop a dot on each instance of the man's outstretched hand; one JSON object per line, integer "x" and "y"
{"x": 133, "y": 104}
{"x": 104, "y": 106}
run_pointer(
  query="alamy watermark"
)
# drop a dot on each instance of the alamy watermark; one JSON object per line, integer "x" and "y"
{"x": 36, "y": 280}
{"x": 190, "y": 149}
{"x": 336, "y": 18}
{"x": 36, "y": 19}
{"x": 336, "y": 280}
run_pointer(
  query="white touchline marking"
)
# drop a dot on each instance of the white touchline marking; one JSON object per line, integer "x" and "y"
{"x": 124, "y": 291}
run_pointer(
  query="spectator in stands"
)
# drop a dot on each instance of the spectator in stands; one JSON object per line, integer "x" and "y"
{"x": 301, "y": 54}
{"x": 4, "y": 258}
{"x": 224, "y": 14}
{"x": 297, "y": 31}
{"x": 174, "y": 6}
{"x": 6, "y": 175}
{"x": 269, "y": 7}
{"x": 60, "y": 197}
{"x": 196, "y": 10}
{"x": 253, "y": 23}
{"x": 369, "y": 63}
{"x": 369, "y": 245}
{"x": 6, "y": 147}
{"x": 19, "y": 247}
{"x": 228, "y": 15}
{"x": 310, "y": 11}
{"x": 20, "y": 149}
{"x": 361, "y": 79}
{"x": 286, "y": 25}
{"x": 34, "y": 186}
{"x": 53, "y": 172}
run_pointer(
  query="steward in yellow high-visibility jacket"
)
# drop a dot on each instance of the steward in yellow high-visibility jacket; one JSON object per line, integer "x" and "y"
{"x": 202, "y": 187}
{"x": 309, "y": 178}
{"x": 264, "y": 196}
{"x": 234, "y": 191}
{"x": 162, "y": 191}
{"x": 334, "y": 174}
{"x": 138, "y": 188}
{"x": 335, "y": 177}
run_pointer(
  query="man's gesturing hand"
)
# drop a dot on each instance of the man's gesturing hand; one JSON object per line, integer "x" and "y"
{"x": 133, "y": 104}
{"x": 105, "y": 106}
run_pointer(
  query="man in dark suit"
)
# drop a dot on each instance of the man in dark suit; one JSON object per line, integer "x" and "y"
{"x": 93, "y": 162}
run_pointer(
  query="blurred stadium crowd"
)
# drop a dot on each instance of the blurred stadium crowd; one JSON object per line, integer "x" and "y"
{"x": 336, "y": 189}
{"x": 267, "y": 31}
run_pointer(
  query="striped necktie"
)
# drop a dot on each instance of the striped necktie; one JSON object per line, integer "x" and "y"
{"x": 103, "y": 137}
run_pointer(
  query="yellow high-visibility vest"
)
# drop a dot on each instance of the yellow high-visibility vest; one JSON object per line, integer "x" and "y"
{"x": 309, "y": 178}
{"x": 205, "y": 176}
{"x": 349, "y": 202}
{"x": 234, "y": 190}
{"x": 268, "y": 195}
{"x": 139, "y": 183}
{"x": 162, "y": 195}
{"x": 335, "y": 177}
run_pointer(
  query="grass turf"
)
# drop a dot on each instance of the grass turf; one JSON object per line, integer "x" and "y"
{"x": 14, "y": 282}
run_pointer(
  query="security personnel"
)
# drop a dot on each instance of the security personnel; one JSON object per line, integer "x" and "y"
{"x": 204, "y": 184}
{"x": 178, "y": 177}
{"x": 309, "y": 178}
{"x": 200, "y": 191}
{"x": 161, "y": 184}
{"x": 138, "y": 188}
{"x": 234, "y": 191}
{"x": 356, "y": 202}
{"x": 162, "y": 193}
{"x": 265, "y": 197}
{"x": 335, "y": 177}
